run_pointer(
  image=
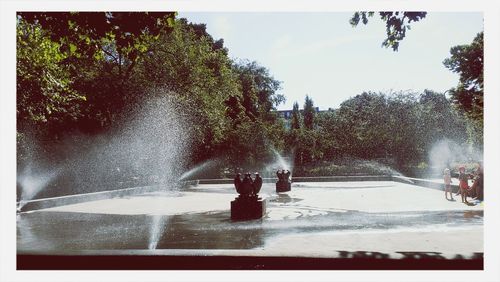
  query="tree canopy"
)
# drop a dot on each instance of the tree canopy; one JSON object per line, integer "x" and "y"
{"x": 468, "y": 61}
{"x": 398, "y": 129}
{"x": 84, "y": 73}
{"x": 44, "y": 81}
{"x": 396, "y": 24}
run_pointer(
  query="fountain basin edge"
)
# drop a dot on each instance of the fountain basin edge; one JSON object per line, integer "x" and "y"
{"x": 87, "y": 197}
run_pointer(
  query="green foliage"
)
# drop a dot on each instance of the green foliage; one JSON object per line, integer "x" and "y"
{"x": 304, "y": 142}
{"x": 231, "y": 103}
{"x": 121, "y": 36}
{"x": 96, "y": 67}
{"x": 92, "y": 54}
{"x": 364, "y": 126}
{"x": 468, "y": 61}
{"x": 309, "y": 113}
{"x": 187, "y": 62}
{"x": 440, "y": 119}
{"x": 295, "y": 124}
{"x": 397, "y": 23}
{"x": 86, "y": 71}
{"x": 307, "y": 148}
{"x": 399, "y": 128}
{"x": 44, "y": 82}
{"x": 255, "y": 129}
{"x": 342, "y": 166}
{"x": 326, "y": 125}
{"x": 258, "y": 89}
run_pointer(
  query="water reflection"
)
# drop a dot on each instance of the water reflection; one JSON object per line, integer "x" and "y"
{"x": 212, "y": 231}
{"x": 63, "y": 231}
{"x": 283, "y": 198}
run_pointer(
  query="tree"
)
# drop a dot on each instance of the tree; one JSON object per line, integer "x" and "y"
{"x": 364, "y": 126}
{"x": 398, "y": 128}
{"x": 103, "y": 66}
{"x": 439, "y": 119}
{"x": 309, "y": 113}
{"x": 328, "y": 134}
{"x": 397, "y": 23}
{"x": 118, "y": 36}
{"x": 304, "y": 140}
{"x": 98, "y": 51}
{"x": 255, "y": 128}
{"x": 197, "y": 70}
{"x": 305, "y": 147}
{"x": 468, "y": 60}
{"x": 295, "y": 123}
{"x": 404, "y": 131}
{"x": 45, "y": 91}
{"x": 259, "y": 90}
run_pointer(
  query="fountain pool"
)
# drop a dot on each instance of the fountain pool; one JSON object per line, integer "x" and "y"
{"x": 314, "y": 220}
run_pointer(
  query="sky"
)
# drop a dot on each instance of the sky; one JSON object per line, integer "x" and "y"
{"x": 323, "y": 56}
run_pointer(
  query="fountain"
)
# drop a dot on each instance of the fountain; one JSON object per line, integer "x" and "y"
{"x": 248, "y": 205}
{"x": 197, "y": 169}
{"x": 149, "y": 148}
{"x": 156, "y": 230}
{"x": 31, "y": 183}
{"x": 281, "y": 161}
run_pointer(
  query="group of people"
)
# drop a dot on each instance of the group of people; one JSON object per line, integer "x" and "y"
{"x": 464, "y": 190}
{"x": 248, "y": 186}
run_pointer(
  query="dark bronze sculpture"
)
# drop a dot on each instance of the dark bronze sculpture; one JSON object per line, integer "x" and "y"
{"x": 257, "y": 184}
{"x": 237, "y": 183}
{"x": 284, "y": 184}
{"x": 247, "y": 205}
{"x": 247, "y": 185}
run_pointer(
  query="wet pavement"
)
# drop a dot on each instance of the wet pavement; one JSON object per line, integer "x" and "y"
{"x": 312, "y": 215}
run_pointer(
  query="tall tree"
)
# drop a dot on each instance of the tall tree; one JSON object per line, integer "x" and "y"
{"x": 295, "y": 123}
{"x": 468, "y": 61}
{"x": 255, "y": 130}
{"x": 309, "y": 112}
{"x": 259, "y": 90}
{"x": 194, "y": 68}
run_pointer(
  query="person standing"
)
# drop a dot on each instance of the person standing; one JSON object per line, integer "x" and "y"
{"x": 478, "y": 182}
{"x": 463, "y": 185}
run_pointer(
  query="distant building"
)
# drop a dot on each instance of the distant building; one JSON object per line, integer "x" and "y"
{"x": 287, "y": 114}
